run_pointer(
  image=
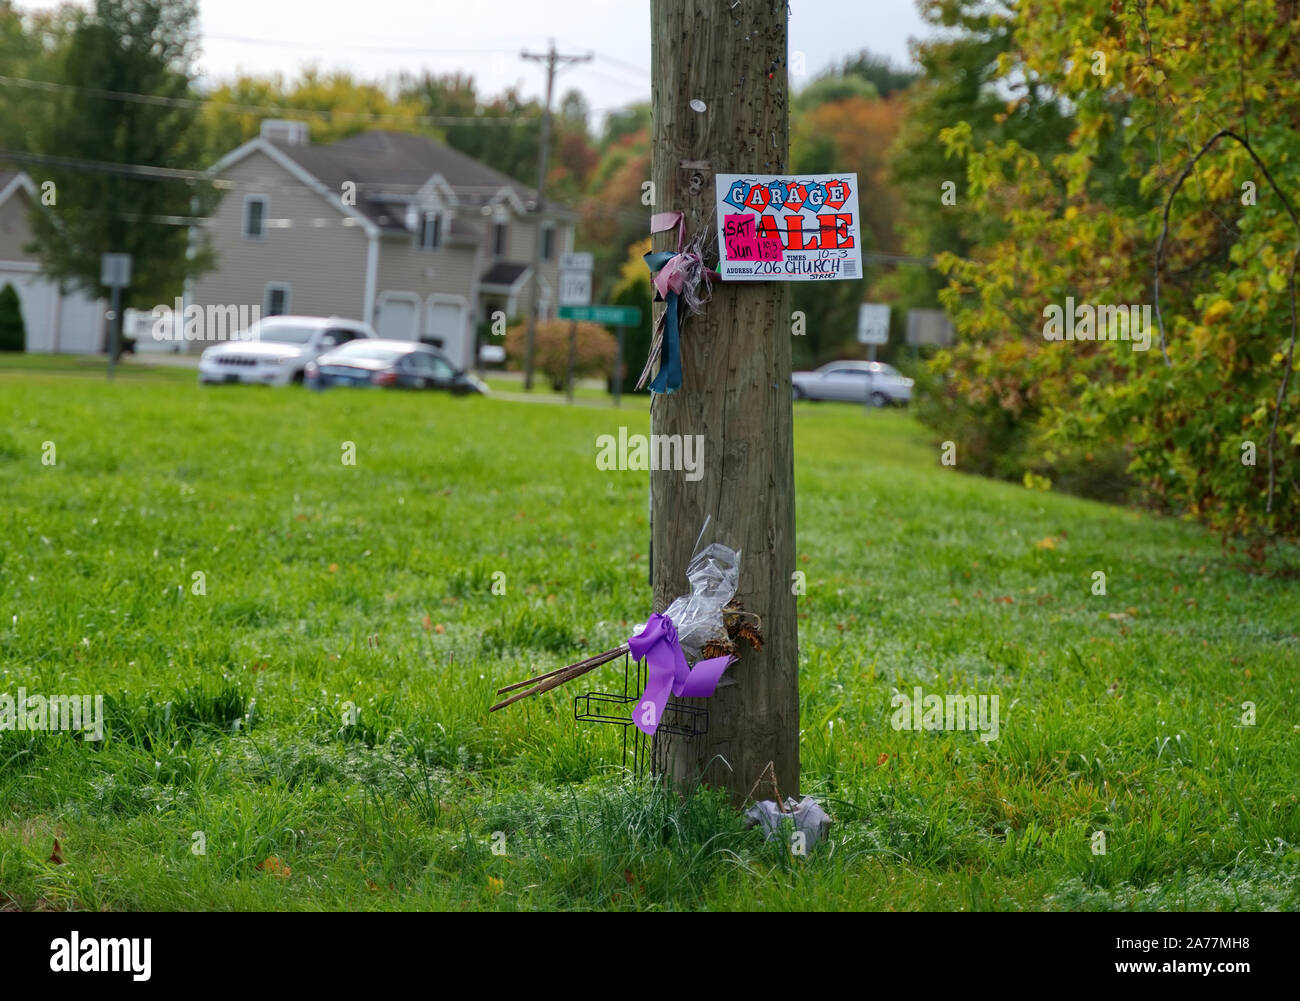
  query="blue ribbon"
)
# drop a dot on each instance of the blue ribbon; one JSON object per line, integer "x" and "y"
{"x": 669, "y": 376}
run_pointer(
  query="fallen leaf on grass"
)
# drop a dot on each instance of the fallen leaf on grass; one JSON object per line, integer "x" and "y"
{"x": 275, "y": 867}
{"x": 56, "y": 856}
{"x": 1045, "y": 543}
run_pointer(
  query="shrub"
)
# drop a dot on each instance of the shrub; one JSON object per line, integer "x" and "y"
{"x": 13, "y": 336}
{"x": 594, "y": 354}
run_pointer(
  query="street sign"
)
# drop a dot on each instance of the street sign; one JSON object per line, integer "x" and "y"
{"x": 575, "y": 288}
{"x": 610, "y": 316}
{"x": 115, "y": 273}
{"x": 929, "y": 326}
{"x": 115, "y": 270}
{"x": 577, "y": 262}
{"x": 575, "y": 279}
{"x": 873, "y": 323}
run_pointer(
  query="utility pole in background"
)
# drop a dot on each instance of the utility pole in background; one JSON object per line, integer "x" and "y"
{"x": 554, "y": 61}
{"x": 721, "y": 88}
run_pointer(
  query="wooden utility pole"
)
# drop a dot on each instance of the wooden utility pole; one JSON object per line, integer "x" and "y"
{"x": 731, "y": 56}
{"x": 554, "y": 61}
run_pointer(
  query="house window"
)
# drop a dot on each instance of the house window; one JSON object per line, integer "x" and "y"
{"x": 548, "y": 242}
{"x": 255, "y": 208}
{"x": 430, "y": 234}
{"x": 277, "y": 299}
{"x": 499, "y": 240}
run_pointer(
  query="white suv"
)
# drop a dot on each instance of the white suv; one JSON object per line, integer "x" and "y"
{"x": 275, "y": 350}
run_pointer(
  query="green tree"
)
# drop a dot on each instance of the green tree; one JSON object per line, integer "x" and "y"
{"x": 1183, "y": 134}
{"x": 831, "y": 87}
{"x": 13, "y": 336}
{"x": 960, "y": 71}
{"x": 113, "y": 205}
{"x": 27, "y": 44}
{"x": 633, "y": 288}
{"x": 879, "y": 71}
{"x": 625, "y": 122}
{"x": 510, "y": 148}
{"x": 850, "y": 135}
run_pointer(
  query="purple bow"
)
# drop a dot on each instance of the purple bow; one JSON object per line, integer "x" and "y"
{"x": 668, "y": 672}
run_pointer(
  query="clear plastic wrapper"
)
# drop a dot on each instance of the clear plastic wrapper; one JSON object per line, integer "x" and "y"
{"x": 714, "y": 574}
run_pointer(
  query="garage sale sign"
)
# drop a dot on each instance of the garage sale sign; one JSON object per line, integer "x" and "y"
{"x": 788, "y": 228}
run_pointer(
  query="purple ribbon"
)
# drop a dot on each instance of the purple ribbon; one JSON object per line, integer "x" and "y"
{"x": 666, "y": 664}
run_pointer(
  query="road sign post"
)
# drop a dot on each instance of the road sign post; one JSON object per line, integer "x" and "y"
{"x": 873, "y": 326}
{"x": 608, "y": 316}
{"x": 115, "y": 273}
{"x": 575, "y": 290}
{"x": 873, "y": 329}
{"x": 618, "y": 371}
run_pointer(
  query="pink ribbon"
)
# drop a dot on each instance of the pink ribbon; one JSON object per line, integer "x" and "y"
{"x": 670, "y": 276}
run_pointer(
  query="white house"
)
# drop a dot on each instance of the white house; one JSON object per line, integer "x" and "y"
{"x": 399, "y": 230}
{"x": 56, "y": 322}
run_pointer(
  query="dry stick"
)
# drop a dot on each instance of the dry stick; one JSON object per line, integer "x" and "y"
{"x": 770, "y": 769}
{"x": 559, "y": 670}
{"x": 574, "y": 672}
{"x": 531, "y": 681}
{"x": 546, "y": 686}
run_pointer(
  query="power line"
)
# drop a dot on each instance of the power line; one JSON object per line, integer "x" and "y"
{"x": 617, "y": 82}
{"x": 179, "y": 175}
{"x": 357, "y": 47}
{"x": 619, "y": 62}
{"x": 263, "y": 110}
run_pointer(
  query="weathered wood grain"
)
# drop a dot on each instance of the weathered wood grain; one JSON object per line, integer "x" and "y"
{"x": 730, "y": 54}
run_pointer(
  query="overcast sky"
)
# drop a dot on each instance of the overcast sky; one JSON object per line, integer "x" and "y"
{"x": 381, "y": 38}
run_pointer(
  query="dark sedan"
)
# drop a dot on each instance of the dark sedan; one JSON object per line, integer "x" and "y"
{"x": 400, "y": 364}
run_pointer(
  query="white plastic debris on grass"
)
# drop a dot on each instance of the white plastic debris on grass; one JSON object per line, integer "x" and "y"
{"x": 807, "y": 816}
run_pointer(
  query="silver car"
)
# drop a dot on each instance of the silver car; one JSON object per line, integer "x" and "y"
{"x": 871, "y": 382}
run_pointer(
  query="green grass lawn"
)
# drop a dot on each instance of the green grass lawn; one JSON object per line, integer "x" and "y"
{"x": 329, "y": 584}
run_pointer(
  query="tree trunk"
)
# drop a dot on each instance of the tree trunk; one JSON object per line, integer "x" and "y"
{"x": 736, "y": 381}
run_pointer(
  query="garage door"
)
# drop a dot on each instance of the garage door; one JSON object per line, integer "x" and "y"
{"x": 36, "y": 297}
{"x": 447, "y": 324}
{"x": 69, "y": 324}
{"x": 395, "y": 316}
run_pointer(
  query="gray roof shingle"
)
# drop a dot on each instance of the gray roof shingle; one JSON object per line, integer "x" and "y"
{"x": 398, "y": 163}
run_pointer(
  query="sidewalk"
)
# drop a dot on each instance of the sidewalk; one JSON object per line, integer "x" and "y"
{"x": 161, "y": 359}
